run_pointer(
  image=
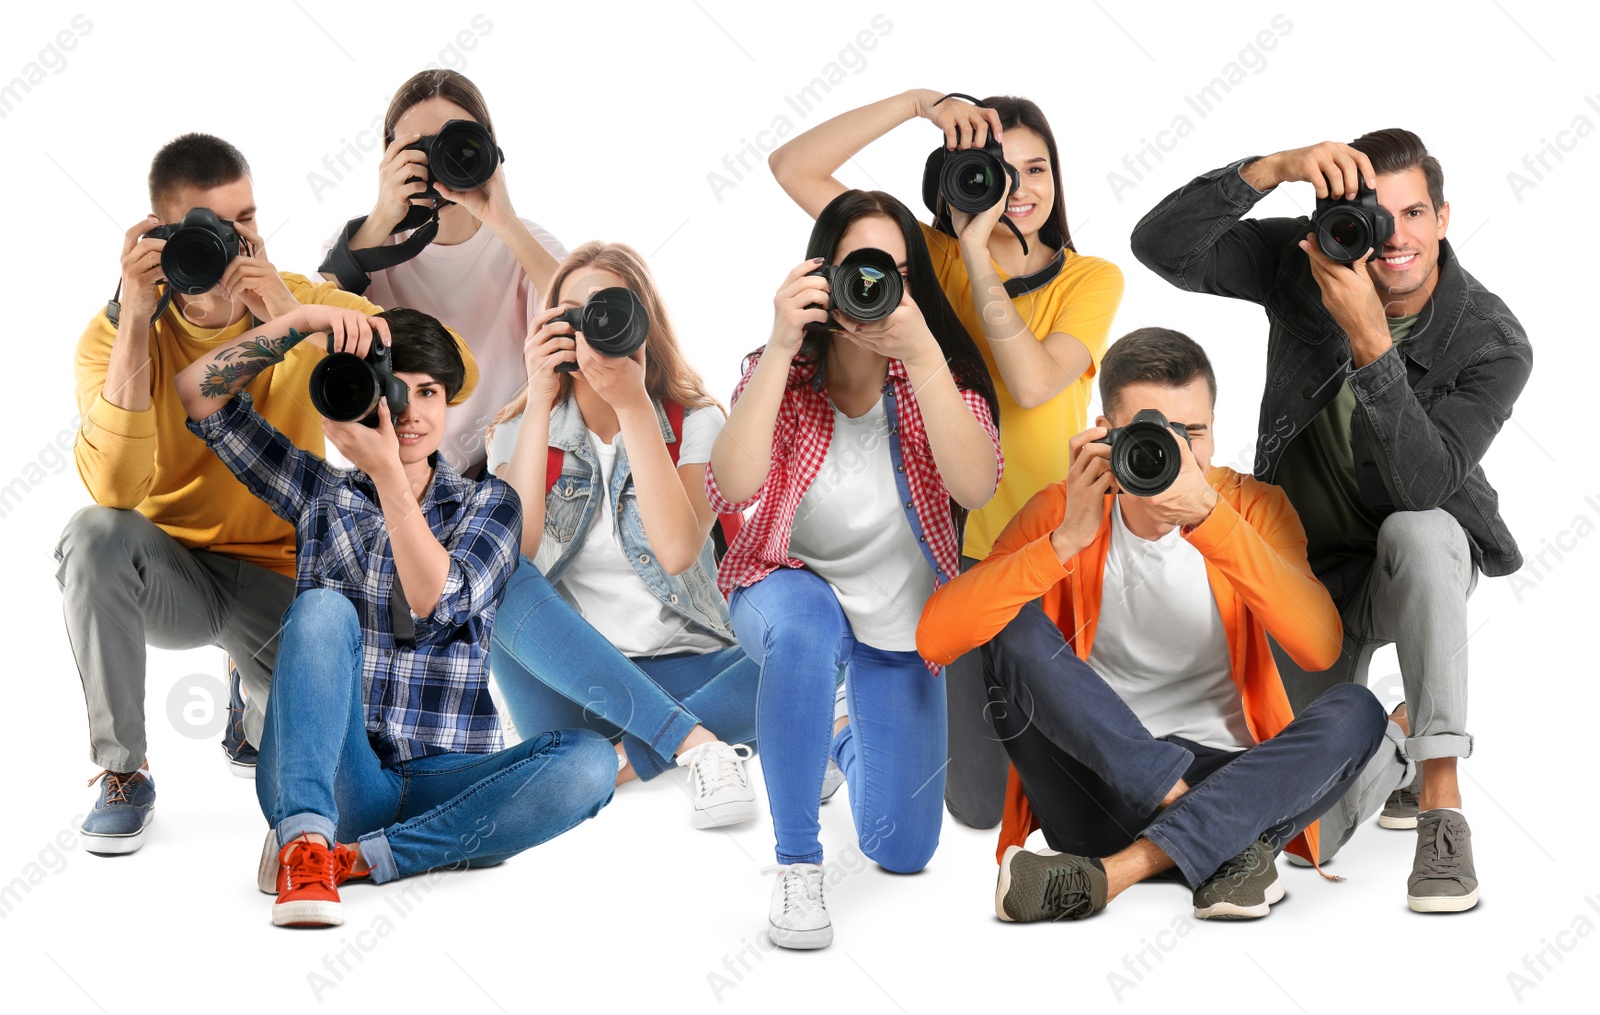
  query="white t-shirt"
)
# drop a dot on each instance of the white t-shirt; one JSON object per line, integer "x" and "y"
{"x": 851, "y": 529}
{"x": 478, "y": 289}
{"x": 599, "y": 582}
{"x": 1160, "y": 644}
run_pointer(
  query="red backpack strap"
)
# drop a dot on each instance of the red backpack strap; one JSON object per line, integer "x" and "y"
{"x": 552, "y": 469}
{"x": 674, "y": 420}
{"x": 729, "y": 523}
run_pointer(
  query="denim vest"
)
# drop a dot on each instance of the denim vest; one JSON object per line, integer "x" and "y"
{"x": 571, "y": 508}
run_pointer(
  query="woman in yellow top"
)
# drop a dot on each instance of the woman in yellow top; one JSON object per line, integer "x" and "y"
{"x": 1041, "y": 313}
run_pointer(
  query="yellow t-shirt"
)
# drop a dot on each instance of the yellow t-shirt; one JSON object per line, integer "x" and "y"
{"x": 150, "y": 462}
{"x": 1080, "y": 301}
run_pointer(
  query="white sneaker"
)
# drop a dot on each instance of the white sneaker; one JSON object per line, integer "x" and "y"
{"x": 798, "y": 916}
{"x": 720, "y": 787}
{"x": 832, "y": 779}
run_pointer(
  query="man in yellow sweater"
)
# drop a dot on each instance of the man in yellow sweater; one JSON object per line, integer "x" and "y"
{"x": 176, "y": 552}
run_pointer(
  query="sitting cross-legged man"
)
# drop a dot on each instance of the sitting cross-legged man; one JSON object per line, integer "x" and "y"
{"x": 1124, "y": 631}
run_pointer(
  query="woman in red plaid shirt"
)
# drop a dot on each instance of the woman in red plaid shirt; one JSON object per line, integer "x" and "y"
{"x": 865, "y": 445}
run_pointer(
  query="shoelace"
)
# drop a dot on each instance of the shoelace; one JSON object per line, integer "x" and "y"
{"x": 117, "y": 785}
{"x": 1237, "y": 867}
{"x": 716, "y": 766}
{"x": 1446, "y": 859}
{"x": 1068, "y": 890}
{"x": 800, "y": 888}
{"x": 313, "y": 863}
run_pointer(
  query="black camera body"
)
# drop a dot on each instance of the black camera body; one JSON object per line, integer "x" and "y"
{"x": 865, "y": 285}
{"x": 969, "y": 179}
{"x": 346, "y": 387}
{"x": 462, "y": 156}
{"x": 198, "y": 251}
{"x": 614, "y": 322}
{"x": 1145, "y": 457}
{"x": 1347, "y": 228}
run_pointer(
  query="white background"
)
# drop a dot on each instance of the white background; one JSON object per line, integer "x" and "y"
{"x": 612, "y": 116}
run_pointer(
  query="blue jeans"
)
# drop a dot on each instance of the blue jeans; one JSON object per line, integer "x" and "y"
{"x": 893, "y": 750}
{"x": 317, "y": 772}
{"x": 557, "y": 672}
{"x": 1096, "y": 777}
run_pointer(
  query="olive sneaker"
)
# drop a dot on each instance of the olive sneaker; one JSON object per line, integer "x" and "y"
{"x": 1047, "y": 885}
{"x": 1400, "y": 810}
{"x": 1443, "y": 878}
{"x": 1243, "y": 888}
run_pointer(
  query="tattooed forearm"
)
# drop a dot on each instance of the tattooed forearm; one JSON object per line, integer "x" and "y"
{"x": 234, "y": 368}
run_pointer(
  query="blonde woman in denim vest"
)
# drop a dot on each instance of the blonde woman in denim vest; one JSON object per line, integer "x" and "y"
{"x": 613, "y": 620}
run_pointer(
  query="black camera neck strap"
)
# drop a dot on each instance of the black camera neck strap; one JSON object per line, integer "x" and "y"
{"x": 944, "y": 221}
{"x": 1021, "y": 285}
{"x": 353, "y": 268}
{"x": 114, "y": 305}
{"x": 400, "y": 622}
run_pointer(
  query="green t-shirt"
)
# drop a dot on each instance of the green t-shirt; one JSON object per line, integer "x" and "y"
{"x": 1318, "y": 473}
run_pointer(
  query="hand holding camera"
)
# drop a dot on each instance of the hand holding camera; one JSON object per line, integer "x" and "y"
{"x": 965, "y": 124}
{"x": 356, "y": 378}
{"x": 801, "y": 302}
{"x": 1334, "y": 169}
{"x": 1148, "y": 461}
{"x": 141, "y": 271}
{"x": 613, "y": 322}
{"x": 1089, "y": 480}
{"x": 402, "y": 184}
{"x": 253, "y": 279}
{"x": 549, "y": 344}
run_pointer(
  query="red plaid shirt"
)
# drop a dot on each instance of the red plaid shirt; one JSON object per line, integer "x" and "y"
{"x": 800, "y": 439}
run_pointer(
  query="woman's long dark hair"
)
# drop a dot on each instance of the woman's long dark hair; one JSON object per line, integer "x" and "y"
{"x": 960, "y": 352}
{"x": 1019, "y": 112}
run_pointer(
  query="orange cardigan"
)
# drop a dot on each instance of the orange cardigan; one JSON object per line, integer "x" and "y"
{"x": 1255, "y": 551}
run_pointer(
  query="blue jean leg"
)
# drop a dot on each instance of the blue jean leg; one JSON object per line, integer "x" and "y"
{"x": 893, "y": 756}
{"x": 480, "y": 809}
{"x": 790, "y": 623}
{"x": 719, "y": 687}
{"x": 316, "y": 772}
{"x": 539, "y": 639}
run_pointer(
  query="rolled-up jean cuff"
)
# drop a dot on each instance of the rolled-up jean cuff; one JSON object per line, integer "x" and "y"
{"x": 1157, "y": 835}
{"x": 296, "y": 825}
{"x": 1439, "y": 745}
{"x": 375, "y": 850}
{"x": 646, "y": 764}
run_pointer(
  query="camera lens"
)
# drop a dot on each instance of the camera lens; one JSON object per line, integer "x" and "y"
{"x": 193, "y": 261}
{"x": 344, "y": 388}
{"x": 1345, "y": 231}
{"x": 972, "y": 180}
{"x": 1145, "y": 459}
{"x": 867, "y": 285}
{"x": 615, "y": 323}
{"x": 463, "y": 156}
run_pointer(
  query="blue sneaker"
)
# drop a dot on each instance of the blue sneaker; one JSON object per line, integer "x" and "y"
{"x": 123, "y": 812}
{"x": 241, "y": 756}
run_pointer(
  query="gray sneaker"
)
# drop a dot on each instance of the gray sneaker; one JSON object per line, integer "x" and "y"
{"x": 1243, "y": 888}
{"x": 1443, "y": 878}
{"x": 1048, "y": 886}
{"x": 1400, "y": 810}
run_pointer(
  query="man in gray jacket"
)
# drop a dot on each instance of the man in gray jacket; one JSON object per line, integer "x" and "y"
{"x": 1387, "y": 380}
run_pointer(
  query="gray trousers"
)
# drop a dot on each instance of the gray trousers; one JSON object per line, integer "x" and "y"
{"x": 975, "y": 782}
{"x": 126, "y": 584}
{"x": 1414, "y": 597}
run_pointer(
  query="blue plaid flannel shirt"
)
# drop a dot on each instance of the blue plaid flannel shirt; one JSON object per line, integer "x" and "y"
{"x": 429, "y": 699}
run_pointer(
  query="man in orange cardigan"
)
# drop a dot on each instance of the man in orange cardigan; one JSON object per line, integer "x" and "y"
{"x": 1130, "y": 677}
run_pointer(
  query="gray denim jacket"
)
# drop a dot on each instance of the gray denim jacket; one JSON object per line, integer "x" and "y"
{"x": 571, "y": 508}
{"x": 1426, "y": 413}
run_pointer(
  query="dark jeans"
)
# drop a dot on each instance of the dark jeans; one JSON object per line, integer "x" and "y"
{"x": 1095, "y": 776}
{"x": 975, "y": 782}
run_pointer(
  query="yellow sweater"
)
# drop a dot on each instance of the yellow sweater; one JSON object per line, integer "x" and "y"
{"x": 150, "y": 462}
{"x": 1081, "y": 301}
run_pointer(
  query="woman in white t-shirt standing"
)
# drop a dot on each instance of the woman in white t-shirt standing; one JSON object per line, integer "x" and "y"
{"x": 484, "y": 283}
{"x": 613, "y": 620}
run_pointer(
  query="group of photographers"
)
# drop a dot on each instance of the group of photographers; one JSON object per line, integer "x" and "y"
{"x": 904, "y": 561}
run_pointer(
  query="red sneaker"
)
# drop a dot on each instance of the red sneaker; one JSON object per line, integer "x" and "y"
{"x": 344, "y": 858}
{"x": 308, "y": 895}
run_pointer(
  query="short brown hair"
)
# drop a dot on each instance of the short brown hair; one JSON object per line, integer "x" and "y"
{"x": 436, "y": 84}
{"x": 1394, "y": 150}
{"x": 201, "y": 161}
{"x": 1153, "y": 356}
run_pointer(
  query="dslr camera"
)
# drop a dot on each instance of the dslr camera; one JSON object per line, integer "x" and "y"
{"x": 613, "y": 321}
{"x": 866, "y": 286}
{"x": 970, "y": 179}
{"x": 198, "y": 251}
{"x": 462, "y": 156}
{"x": 346, "y": 387}
{"x": 1346, "y": 228}
{"x": 1145, "y": 458}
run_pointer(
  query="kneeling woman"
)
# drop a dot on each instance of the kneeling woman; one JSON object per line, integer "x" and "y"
{"x": 382, "y": 754}
{"x": 865, "y": 443}
{"x": 613, "y": 620}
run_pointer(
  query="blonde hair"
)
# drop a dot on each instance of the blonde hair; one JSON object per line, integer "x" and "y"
{"x": 668, "y": 377}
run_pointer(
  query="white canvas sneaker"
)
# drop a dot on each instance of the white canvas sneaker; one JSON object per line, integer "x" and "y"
{"x": 719, "y": 786}
{"x": 797, "y": 916}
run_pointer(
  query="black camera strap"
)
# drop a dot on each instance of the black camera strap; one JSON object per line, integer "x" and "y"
{"x": 405, "y": 629}
{"x": 943, "y": 221}
{"x": 353, "y": 268}
{"x": 114, "y": 305}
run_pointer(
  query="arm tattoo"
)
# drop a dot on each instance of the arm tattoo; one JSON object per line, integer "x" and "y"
{"x": 235, "y": 368}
